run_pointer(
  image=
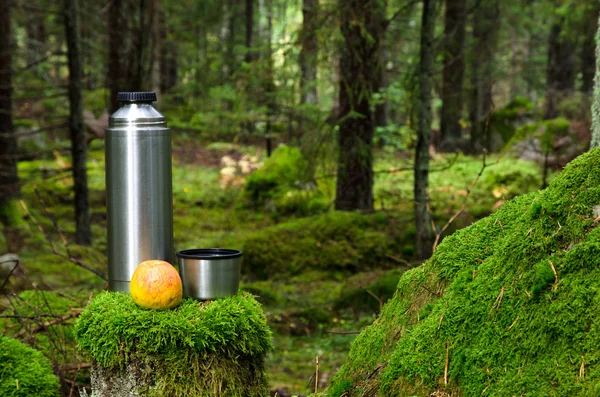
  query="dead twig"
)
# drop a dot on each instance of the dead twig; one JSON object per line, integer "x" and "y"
{"x": 498, "y": 301}
{"x": 438, "y": 233}
{"x": 41, "y": 327}
{"x": 9, "y": 273}
{"x": 343, "y": 332}
{"x": 447, "y": 361}
{"x": 376, "y": 297}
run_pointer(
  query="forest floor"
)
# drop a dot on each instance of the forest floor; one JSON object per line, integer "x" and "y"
{"x": 312, "y": 314}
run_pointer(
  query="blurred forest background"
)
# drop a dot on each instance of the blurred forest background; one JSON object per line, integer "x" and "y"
{"x": 334, "y": 142}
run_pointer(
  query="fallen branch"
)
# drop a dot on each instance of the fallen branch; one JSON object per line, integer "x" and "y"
{"x": 42, "y": 327}
{"x": 343, "y": 332}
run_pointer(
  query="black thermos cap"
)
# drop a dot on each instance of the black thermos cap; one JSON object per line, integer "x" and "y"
{"x": 136, "y": 97}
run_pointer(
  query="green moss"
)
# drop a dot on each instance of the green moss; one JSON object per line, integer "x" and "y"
{"x": 512, "y": 302}
{"x": 194, "y": 349}
{"x": 333, "y": 242}
{"x": 24, "y": 371}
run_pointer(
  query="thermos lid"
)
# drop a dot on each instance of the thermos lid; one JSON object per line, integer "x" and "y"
{"x": 136, "y": 97}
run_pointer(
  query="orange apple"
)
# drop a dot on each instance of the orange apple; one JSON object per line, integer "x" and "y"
{"x": 156, "y": 284}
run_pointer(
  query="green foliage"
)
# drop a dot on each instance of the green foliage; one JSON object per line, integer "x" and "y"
{"x": 25, "y": 372}
{"x": 95, "y": 101}
{"x": 505, "y": 121}
{"x": 285, "y": 169}
{"x": 284, "y": 185}
{"x": 194, "y": 349}
{"x": 489, "y": 299}
{"x": 333, "y": 242}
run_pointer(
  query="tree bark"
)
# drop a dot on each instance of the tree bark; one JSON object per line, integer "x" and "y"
{"x": 9, "y": 180}
{"x": 168, "y": 58}
{"x": 359, "y": 61}
{"x": 309, "y": 52}
{"x": 249, "y": 11}
{"x": 424, "y": 235}
{"x": 588, "y": 52}
{"x": 130, "y": 46}
{"x": 76, "y": 127}
{"x": 116, "y": 75}
{"x": 454, "y": 69}
{"x": 596, "y": 103}
{"x": 485, "y": 29}
{"x": 560, "y": 77}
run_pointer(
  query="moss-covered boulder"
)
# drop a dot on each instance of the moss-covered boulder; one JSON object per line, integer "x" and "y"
{"x": 343, "y": 242}
{"x": 508, "y": 306}
{"x": 25, "y": 372}
{"x": 197, "y": 349}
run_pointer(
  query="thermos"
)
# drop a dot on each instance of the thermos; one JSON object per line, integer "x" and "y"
{"x": 139, "y": 200}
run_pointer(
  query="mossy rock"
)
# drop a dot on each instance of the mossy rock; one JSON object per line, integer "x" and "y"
{"x": 334, "y": 242}
{"x": 24, "y": 371}
{"x": 508, "y": 306}
{"x": 197, "y": 349}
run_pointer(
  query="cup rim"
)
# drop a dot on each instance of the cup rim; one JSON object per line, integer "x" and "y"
{"x": 209, "y": 253}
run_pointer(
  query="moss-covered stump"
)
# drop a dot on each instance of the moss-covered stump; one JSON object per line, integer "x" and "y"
{"x": 197, "y": 349}
{"x": 509, "y": 306}
{"x": 24, "y": 371}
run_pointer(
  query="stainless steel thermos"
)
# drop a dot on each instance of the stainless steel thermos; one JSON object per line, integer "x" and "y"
{"x": 138, "y": 187}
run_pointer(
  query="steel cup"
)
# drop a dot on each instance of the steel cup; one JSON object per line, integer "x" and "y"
{"x": 209, "y": 273}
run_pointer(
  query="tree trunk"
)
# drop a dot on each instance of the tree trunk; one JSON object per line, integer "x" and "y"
{"x": 309, "y": 52}
{"x": 9, "y": 180}
{"x": 116, "y": 35}
{"x": 269, "y": 83}
{"x": 596, "y": 104}
{"x": 422, "y": 215}
{"x": 454, "y": 69}
{"x": 485, "y": 28}
{"x": 588, "y": 52}
{"x": 76, "y": 128}
{"x": 560, "y": 77}
{"x": 130, "y": 42}
{"x": 249, "y": 11}
{"x": 359, "y": 61}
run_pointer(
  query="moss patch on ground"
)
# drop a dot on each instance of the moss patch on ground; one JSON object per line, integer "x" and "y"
{"x": 507, "y": 306}
{"x": 193, "y": 350}
{"x": 25, "y": 372}
{"x": 341, "y": 242}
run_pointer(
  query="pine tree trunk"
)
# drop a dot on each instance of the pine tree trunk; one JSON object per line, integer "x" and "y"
{"x": 485, "y": 28}
{"x": 9, "y": 180}
{"x": 588, "y": 52}
{"x": 117, "y": 36}
{"x": 380, "y": 115}
{"x": 454, "y": 69}
{"x": 309, "y": 52}
{"x": 269, "y": 84}
{"x": 596, "y": 104}
{"x": 130, "y": 46}
{"x": 249, "y": 14}
{"x": 359, "y": 62}
{"x": 76, "y": 128}
{"x": 168, "y": 57}
{"x": 560, "y": 80}
{"x": 422, "y": 215}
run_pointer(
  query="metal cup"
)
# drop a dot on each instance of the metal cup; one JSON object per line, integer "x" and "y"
{"x": 208, "y": 273}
